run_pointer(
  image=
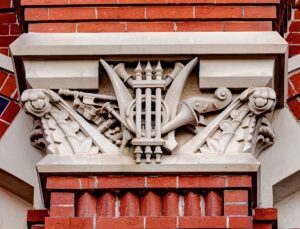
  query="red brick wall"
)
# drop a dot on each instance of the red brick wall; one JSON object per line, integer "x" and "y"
{"x": 151, "y": 202}
{"x": 9, "y": 31}
{"x": 9, "y": 25}
{"x": 152, "y": 15}
{"x": 293, "y": 37}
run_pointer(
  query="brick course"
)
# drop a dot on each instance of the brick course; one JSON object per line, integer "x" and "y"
{"x": 152, "y": 15}
{"x": 200, "y": 201}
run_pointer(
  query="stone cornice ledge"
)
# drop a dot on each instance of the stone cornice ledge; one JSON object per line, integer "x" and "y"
{"x": 199, "y": 163}
{"x": 40, "y": 44}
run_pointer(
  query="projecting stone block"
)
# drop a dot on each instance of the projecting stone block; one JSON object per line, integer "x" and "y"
{"x": 236, "y": 73}
{"x": 56, "y": 74}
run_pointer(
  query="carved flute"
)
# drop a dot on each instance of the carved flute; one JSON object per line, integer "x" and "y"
{"x": 80, "y": 94}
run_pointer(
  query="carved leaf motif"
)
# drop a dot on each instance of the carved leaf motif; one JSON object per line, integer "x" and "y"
{"x": 83, "y": 146}
{"x": 51, "y": 123}
{"x": 58, "y": 136}
{"x": 74, "y": 127}
{"x": 213, "y": 144}
{"x": 225, "y": 125}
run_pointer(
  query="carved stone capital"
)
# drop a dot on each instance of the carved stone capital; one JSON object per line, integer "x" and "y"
{"x": 147, "y": 112}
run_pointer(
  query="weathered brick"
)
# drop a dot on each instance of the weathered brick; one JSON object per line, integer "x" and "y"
{"x": 202, "y": 181}
{"x": 72, "y": 13}
{"x": 5, "y": 4}
{"x": 62, "y": 211}
{"x": 52, "y": 27}
{"x": 207, "y": 12}
{"x": 36, "y": 14}
{"x": 37, "y": 216}
{"x": 202, "y": 222}
{"x": 86, "y": 205}
{"x": 169, "y": 12}
{"x": 213, "y": 204}
{"x": 192, "y": 204}
{"x": 118, "y": 13}
{"x": 62, "y": 198}
{"x": 120, "y": 222}
{"x": 265, "y": 214}
{"x": 240, "y": 222}
{"x": 62, "y": 183}
{"x": 129, "y": 205}
{"x": 161, "y": 181}
{"x": 8, "y": 17}
{"x": 236, "y": 26}
{"x": 121, "y": 182}
{"x": 260, "y": 12}
{"x": 43, "y": 2}
{"x": 236, "y": 196}
{"x": 150, "y": 27}
{"x": 151, "y": 204}
{"x": 106, "y": 205}
{"x": 262, "y": 226}
{"x": 68, "y": 223}
{"x": 170, "y": 204}
{"x": 203, "y": 26}
{"x": 88, "y": 182}
{"x": 164, "y": 222}
{"x": 236, "y": 210}
{"x": 100, "y": 27}
{"x": 239, "y": 181}
{"x": 10, "y": 112}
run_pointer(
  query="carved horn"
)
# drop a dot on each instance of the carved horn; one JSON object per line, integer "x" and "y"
{"x": 186, "y": 116}
{"x": 170, "y": 77}
{"x": 122, "y": 93}
{"x": 124, "y": 75}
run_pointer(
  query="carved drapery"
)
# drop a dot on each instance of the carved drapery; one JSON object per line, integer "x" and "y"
{"x": 142, "y": 117}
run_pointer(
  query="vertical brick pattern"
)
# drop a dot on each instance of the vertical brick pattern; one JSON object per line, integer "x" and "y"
{"x": 207, "y": 201}
{"x": 106, "y": 205}
{"x": 192, "y": 204}
{"x": 86, "y": 205}
{"x": 213, "y": 204}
